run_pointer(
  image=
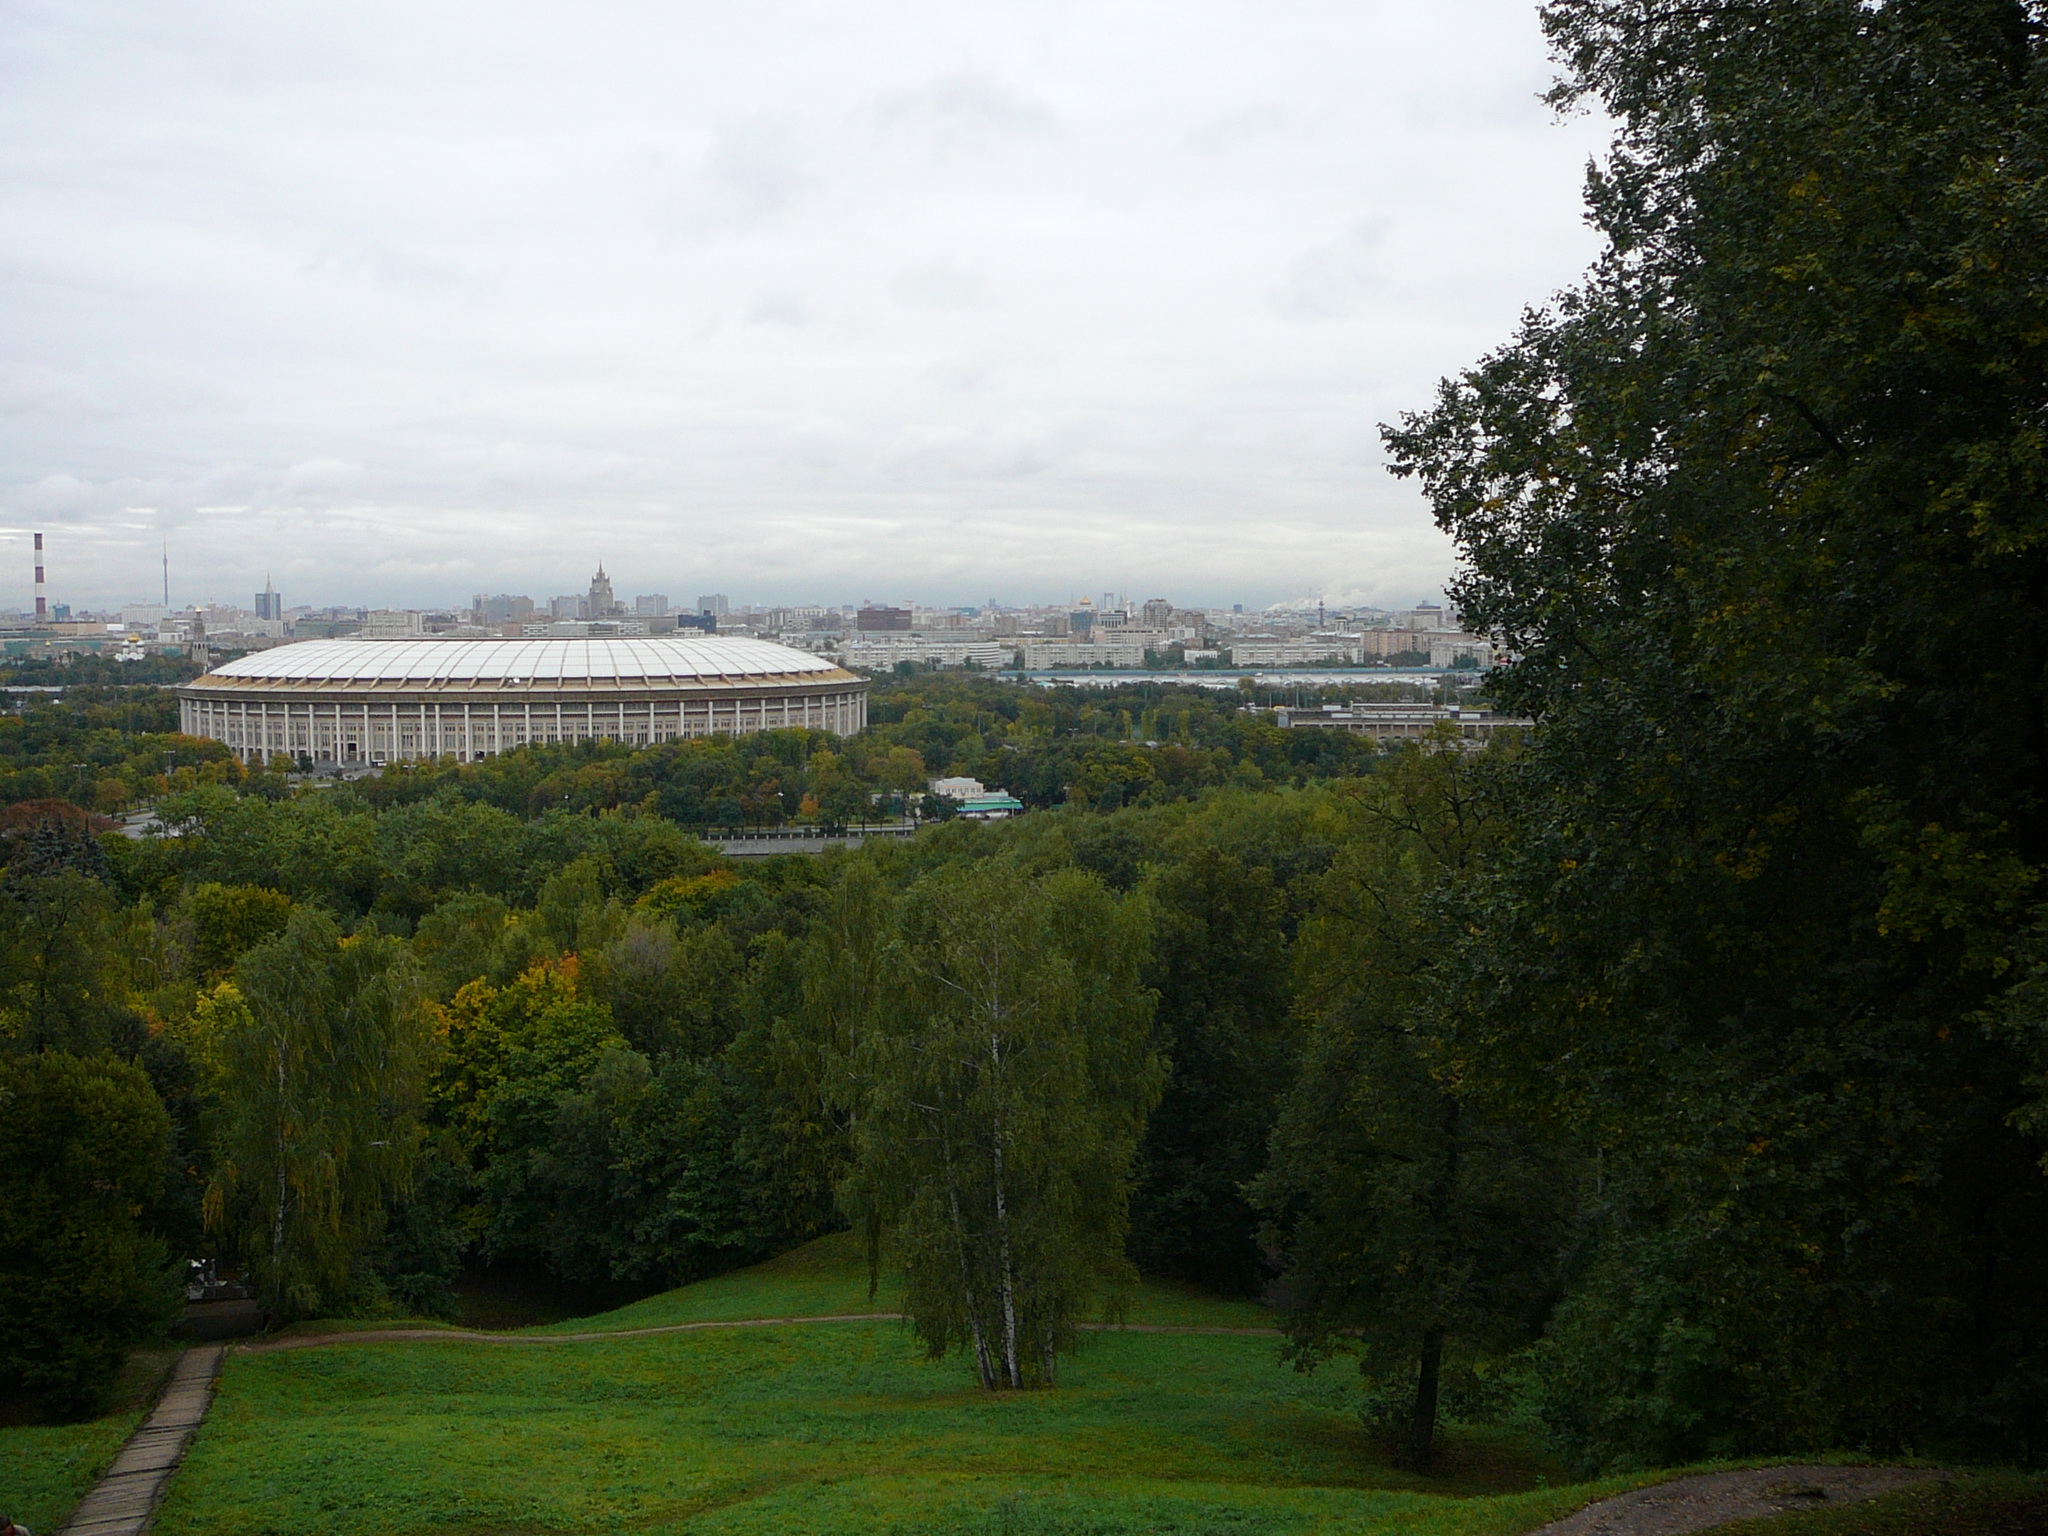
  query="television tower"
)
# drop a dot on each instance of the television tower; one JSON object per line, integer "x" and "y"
{"x": 42, "y": 607}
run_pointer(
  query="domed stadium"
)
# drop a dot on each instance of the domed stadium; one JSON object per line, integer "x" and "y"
{"x": 386, "y": 701}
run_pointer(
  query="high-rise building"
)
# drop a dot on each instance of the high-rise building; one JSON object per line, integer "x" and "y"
{"x": 871, "y": 619}
{"x": 716, "y": 604}
{"x": 268, "y": 604}
{"x": 602, "y": 604}
{"x": 651, "y": 606}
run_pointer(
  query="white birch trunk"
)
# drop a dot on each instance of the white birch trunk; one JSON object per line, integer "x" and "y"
{"x": 1007, "y": 1286}
{"x": 982, "y": 1365}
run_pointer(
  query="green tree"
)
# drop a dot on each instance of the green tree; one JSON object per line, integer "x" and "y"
{"x": 81, "y": 1281}
{"x": 1412, "y": 1216}
{"x": 656, "y": 1175}
{"x": 470, "y": 938}
{"x": 1002, "y": 1094}
{"x": 1220, "y": 967}
{"x": 320, "y": 1048}
{"x": 224, "y": 920}
{"x": 64, "y": 969}
{"x": 508, "y": 1056}
{"x": 1746, "y": 501}
{"x": 669, "y": 992}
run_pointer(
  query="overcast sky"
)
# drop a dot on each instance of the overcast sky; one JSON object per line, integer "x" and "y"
{"x": 402, "y": 302}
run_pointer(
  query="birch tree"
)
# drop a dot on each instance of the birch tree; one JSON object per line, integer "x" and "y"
{"x": 1003, "y": 1087}
{"x": 318, "y": 1050}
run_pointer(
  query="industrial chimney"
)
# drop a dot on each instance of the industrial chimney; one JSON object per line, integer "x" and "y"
{"x": 42, "y": 607}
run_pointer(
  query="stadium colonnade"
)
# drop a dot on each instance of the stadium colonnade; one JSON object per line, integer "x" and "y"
{"x": 384, "y": 701}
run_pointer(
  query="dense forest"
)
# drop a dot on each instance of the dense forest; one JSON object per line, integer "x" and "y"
{"x": 108, "y": 742}
{"x": 1670, "y": 1081}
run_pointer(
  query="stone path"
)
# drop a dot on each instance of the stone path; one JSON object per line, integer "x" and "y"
{"x": 1708, "y": 1499}
{"x": 125, "y": 1499}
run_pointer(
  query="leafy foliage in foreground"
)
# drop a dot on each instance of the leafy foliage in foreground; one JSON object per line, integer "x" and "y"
{"x": 81, "y": 1279}
{"x": 1748, "y": 500}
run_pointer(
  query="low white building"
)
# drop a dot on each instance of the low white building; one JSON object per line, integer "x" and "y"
{"x": 880, "y": 653}
{"x": 391, "y": 624}
{"x": 1273, "y": 651}
{"x": 1121, "y": 649}
{"x": 1403, "y": 721}
{"x": 976, "y": 801}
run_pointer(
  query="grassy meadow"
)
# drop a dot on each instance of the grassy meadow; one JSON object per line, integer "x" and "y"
{"x": 822, "y": 1427}
{"x": 829, "y": 1278}
{"x": 836, "y": 1427}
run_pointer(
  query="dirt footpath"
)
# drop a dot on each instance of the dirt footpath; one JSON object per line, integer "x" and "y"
{"x": 478, "y": 1336}
{"x": 1709, "y": 1499}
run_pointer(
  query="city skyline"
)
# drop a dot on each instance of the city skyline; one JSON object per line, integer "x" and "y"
{"x": 24, "y": 540}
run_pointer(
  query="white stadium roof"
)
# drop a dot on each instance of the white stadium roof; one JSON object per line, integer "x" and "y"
{"x": 702, "y": 659}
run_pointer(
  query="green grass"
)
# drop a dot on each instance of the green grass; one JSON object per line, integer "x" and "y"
{"x": 46, "y": 1468}
{"x": 824, "y": 1427}
{"x": 836, "y": 1428}
{"x": 829, "y": 1277}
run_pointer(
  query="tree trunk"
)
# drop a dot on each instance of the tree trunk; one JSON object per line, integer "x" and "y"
{"x": 277, "y": 1214}
{"x": 1422, "y": 1427}
{"x": 1009, "y": 1293}
{"x": 968, "y": 1301}
{"x": 1011, "y": 1368}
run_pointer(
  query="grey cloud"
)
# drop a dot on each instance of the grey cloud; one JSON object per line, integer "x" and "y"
{"x": 728, "y": 290}
{"x": 940, "y": 284}
{"x": 1234, "y": 130}
{"x": 755, "y": 171}
{"x": 1330, "y": 281}
{"x": 778, "y": 307}
{"x": 965, "y": 111}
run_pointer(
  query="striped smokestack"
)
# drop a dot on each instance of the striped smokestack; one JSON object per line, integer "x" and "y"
{"x": 42, "y": 608}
